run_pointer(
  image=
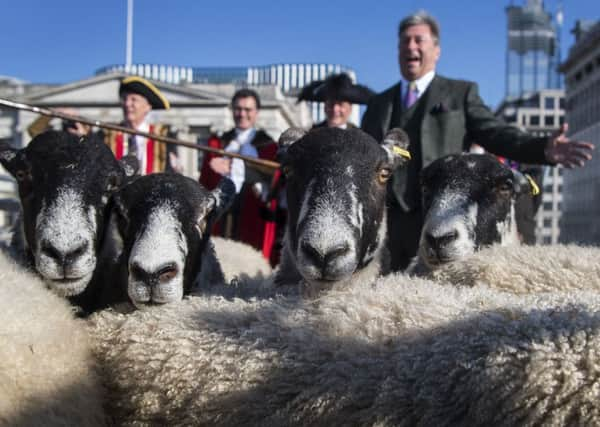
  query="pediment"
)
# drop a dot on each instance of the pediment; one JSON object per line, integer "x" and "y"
{"x": 104, "y": 90}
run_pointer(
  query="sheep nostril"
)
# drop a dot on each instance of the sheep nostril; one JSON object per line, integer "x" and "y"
{"x": 137, "y": 273}
{"x": 313, "y": 253}
{"x": 167, "y": 273}
{"x": 73, "y": 255}
{"x": 50, "y": 251}
{"x": 337, "y": 252}
{"x": 441, "y": 241}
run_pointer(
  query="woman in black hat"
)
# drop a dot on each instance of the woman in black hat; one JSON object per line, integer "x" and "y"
{"x": 338, "y": 93}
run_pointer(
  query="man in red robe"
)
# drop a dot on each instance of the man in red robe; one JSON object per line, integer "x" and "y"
{"x": 248, "y": 219}
{"x": 138, "y": 97}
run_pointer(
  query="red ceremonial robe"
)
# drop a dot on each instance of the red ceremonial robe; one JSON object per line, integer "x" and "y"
{"x": 250, "y": 227}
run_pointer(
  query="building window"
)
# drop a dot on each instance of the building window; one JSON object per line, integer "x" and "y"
{"x": 547, "y": 206}
{"x": 534, "y": 120}
{"x": 561, "y": 120}
{"x": 547, "y": 240}
{"x": 549, "y": 102}
{"x": 561, "y": 103}
{"x": 549, "y": 120}
{"x": 547, "y": 222}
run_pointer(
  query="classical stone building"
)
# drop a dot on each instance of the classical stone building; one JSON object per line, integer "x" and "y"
{"x": 197, "y": 110}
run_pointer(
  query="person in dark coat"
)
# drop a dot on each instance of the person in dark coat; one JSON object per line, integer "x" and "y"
{"x": 338, "y": 93}
{"x": 442, "y": 116}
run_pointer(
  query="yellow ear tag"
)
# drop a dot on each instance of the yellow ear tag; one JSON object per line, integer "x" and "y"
{"x": 535, "y": 190}
{"x": 401, "y": 152}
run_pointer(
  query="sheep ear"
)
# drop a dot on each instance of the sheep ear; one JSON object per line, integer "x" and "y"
{"x": 114, "y": 242}
{"x": 524, "y": 184}
{"x": 218, "y": 201}
{"x": 395, "y": 143}
{"x": 8, "y": 158}
{"x": 130, "y": 165}
{"x": 286, "y": 139}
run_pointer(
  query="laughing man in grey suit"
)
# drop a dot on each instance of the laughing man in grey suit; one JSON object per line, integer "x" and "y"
{"x": 443, "y": 116}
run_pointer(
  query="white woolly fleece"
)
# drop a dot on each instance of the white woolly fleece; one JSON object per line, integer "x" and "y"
{"x": 527, "y": 269}
{"x": 403, "y": 351}
{"x": 240, "y": 261}
{"x": 47, "y": 375}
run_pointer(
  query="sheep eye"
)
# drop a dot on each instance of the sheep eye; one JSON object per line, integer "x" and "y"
{"x": 384, "y": 175}
{"x": 21, "y": 175}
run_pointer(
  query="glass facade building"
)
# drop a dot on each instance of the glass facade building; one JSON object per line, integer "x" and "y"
{"x": 533, "y": 51}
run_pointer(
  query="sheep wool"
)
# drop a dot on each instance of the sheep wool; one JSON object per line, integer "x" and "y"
{"x": 47, "y": 372}
{"x": 526, "y": 269}
{"x": 239, "y": 260}
{"x": 402, "y": 351}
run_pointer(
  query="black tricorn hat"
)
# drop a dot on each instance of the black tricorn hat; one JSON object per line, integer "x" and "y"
{"x": 135, "y": 84}
{"x": 336, "y": 87}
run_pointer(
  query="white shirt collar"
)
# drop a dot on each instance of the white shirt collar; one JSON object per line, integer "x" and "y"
{"x": 244, "y": 136}
{"x": 144, "y": 126}
{"x": 422, "y": 83}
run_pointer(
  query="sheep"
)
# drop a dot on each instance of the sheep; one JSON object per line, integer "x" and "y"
{"x": 240, "y": 261}
{"x": 335, "y": 186}
{"x": 47, "y": 372}
{"x": 526, "y": 269}
{"x": 159, "y": 231}
{"x": 401, "y": 351}
{"x": 65, "y": 184}
{"x": 468, "y": 203}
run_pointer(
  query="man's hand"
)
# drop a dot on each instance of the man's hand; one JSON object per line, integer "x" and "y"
{"x": 76, "y": 128}
{"x": 220, "y": 165}
{"x": 560, "y": 149}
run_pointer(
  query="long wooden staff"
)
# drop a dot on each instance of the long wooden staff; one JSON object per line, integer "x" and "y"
{"x": 260, "y": 164}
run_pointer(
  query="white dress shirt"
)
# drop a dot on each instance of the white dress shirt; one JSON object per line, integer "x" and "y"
{"x": 241, "y": 145}
{"x": 422, "y": 84}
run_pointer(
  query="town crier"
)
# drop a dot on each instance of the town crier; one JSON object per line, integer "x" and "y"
{"x": 138, "y": 97}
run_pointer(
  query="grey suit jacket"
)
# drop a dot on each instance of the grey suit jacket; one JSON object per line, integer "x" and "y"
{"x": 451, "y": 116}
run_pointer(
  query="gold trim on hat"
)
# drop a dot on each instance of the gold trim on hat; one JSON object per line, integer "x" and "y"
{"x": 150, "y": 86}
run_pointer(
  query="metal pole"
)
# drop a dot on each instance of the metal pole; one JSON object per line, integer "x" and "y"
{"x": 129, "y": 49}
{"x": 260, "y": 164}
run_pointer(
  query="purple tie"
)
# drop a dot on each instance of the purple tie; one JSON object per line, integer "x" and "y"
{"x": 411, "y": 95}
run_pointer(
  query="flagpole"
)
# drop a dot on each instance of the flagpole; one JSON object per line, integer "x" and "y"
{"x": 129, "y": 48}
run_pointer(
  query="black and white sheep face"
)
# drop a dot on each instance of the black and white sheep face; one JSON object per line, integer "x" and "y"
{"x": 65, "y": 183}
{"x": 336, "y": 187}
{"x": 162, "y": 224}
{"x": 468, "y": 201}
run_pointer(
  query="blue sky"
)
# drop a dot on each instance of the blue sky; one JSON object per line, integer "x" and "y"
{"x": 64, "y": 40}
